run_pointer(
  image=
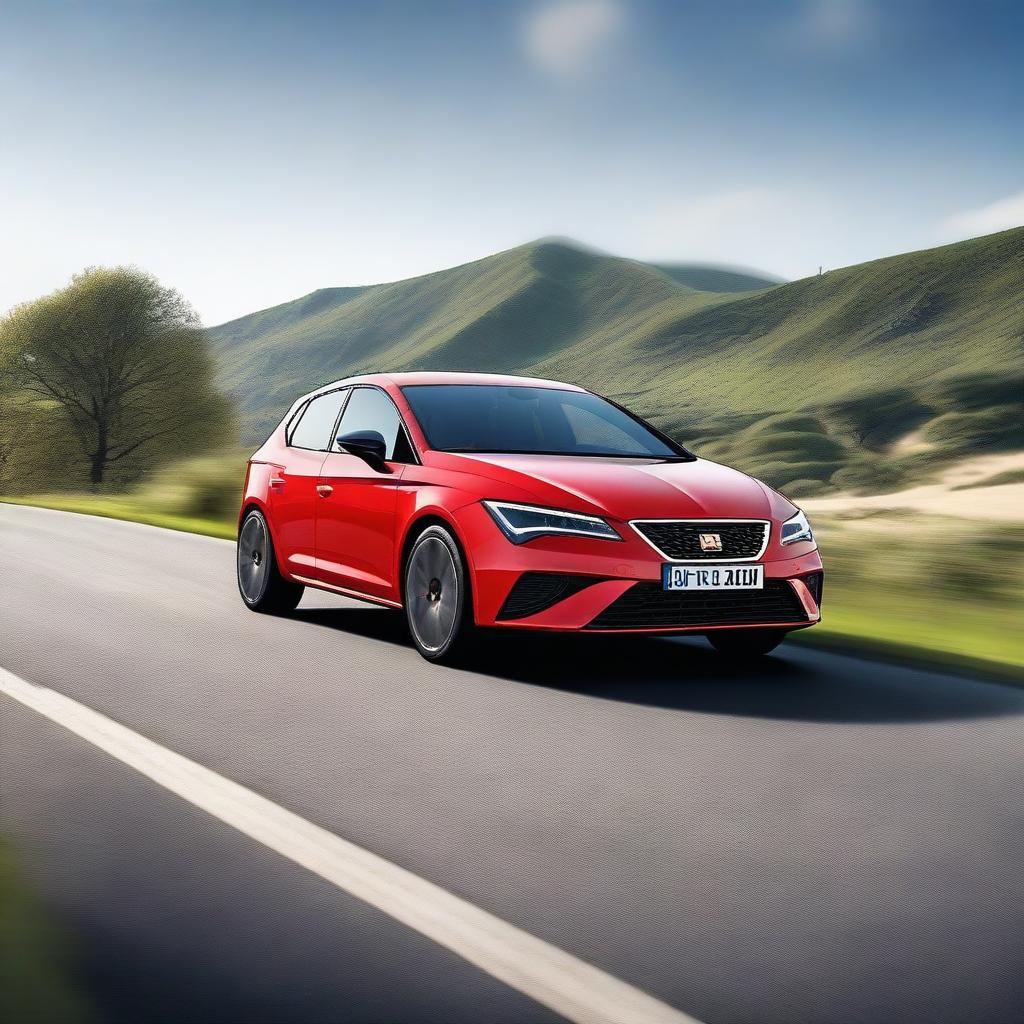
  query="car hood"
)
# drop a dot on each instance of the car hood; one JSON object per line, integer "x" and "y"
{"x": 625, "y": 488}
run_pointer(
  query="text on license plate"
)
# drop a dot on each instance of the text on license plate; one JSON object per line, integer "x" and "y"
{"x": 712, "y": 577}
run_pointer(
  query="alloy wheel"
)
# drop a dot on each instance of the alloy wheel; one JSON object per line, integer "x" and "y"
{"x": 432, "y": 593}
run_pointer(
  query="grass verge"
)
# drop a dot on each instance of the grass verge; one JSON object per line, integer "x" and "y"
{"x": 131, "y": 511}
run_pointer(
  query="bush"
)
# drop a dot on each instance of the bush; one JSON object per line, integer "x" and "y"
{"x": 207, "y": 487}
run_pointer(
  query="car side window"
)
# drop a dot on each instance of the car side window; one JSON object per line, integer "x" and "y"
{"x": 314, "y": 428}
{"x": 371, "y": 409}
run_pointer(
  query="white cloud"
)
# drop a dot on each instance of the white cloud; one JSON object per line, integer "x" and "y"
{"x": 834, "y": 22}
{"x": 997, "y": 216}
{"x": 563, "y": 38}
{"x": 780, "y": 230}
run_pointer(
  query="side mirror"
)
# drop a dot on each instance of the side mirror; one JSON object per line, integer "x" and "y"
{"x": 368, "y": 445}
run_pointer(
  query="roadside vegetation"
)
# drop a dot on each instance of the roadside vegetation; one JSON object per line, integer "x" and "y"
{"x": 195, "y": 495}
{"x": 34, "y": 980}
{"x": 102, "y": 381}
{"x": 933, "y": 589}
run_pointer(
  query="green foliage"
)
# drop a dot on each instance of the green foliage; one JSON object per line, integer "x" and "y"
{"x": 932, "y": 582}
{"x": 114, "y": 374}
{"x": 208, "y": 487}
{"x": 37, "y": 451}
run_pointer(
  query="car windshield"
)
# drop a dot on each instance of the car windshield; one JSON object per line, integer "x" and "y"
{"x": 532, "y": 420}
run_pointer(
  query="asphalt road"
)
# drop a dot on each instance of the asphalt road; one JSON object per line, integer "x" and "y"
{"x": 819, "y": 839}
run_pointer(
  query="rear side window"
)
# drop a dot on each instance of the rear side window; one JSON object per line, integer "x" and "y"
{"x": 314, "y": 428}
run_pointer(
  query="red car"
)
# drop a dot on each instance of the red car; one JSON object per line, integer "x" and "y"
{"x": 479, "y": 500}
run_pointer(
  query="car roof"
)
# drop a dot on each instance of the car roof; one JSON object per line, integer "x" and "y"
{"x": 444, "y": 377}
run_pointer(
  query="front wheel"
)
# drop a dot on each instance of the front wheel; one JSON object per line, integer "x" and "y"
{"x": 436, "y": 592}
{"x": 260, "y": 582}
{"x": 746, "y": 643}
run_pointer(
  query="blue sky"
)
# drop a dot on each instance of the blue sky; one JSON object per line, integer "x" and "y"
{"x": 249, "y": 153}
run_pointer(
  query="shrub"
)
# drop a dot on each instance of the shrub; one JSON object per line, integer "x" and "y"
{"x": 208, "y": 487}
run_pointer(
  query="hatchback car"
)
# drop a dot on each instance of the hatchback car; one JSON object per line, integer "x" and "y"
{"x": 474, "y": 500}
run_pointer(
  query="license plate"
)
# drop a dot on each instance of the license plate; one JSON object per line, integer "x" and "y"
{"x": 712, "y": 577}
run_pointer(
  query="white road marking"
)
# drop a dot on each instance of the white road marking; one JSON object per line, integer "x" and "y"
{"x": 550, "y": 976}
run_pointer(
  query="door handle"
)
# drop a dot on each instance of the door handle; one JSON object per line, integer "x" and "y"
{"x": 324, "y": 490}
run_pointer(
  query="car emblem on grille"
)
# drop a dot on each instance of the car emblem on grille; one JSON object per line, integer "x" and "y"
{"x": 711, "y": 542}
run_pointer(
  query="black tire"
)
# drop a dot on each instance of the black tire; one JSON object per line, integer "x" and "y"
{"x": 260, "y": 582}
{"x": 746, "y": 643}
{"x": 435, "y": 590}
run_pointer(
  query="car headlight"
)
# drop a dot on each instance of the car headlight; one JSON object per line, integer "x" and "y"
{"x": 521, "y": 523}
{"x": 797, "y": 528}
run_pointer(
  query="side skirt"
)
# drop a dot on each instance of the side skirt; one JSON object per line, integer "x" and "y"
{"x": 345, "y": 592}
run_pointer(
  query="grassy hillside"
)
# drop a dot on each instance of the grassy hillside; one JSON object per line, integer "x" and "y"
{"x": 802, "y": 382}
{"x": 710, "y": 278}
{"x": 506, "y": 312}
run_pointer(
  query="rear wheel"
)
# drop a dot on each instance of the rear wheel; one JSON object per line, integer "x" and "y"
{"x": 746, "y": 643}
{"x": 436, "y": 592}
{"x": 260, "y": 582}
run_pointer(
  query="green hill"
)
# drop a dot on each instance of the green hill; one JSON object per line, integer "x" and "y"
{"x": 506, "y": 312}
{"x": 930, "y": 340}
{"x": 710, "y": 278}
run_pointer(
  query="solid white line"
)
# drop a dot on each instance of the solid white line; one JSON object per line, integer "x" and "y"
{"x": 569, "y": 986}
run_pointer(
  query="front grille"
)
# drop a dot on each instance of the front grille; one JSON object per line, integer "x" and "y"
{"x": 679, "y": 539}
{"x": 647, "y": 606}
{"x": 535, "y": 591}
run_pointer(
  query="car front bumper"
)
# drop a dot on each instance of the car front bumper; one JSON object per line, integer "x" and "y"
{"x": 581, "y": 584}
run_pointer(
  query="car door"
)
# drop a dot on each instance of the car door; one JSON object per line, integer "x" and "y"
{"x": 292, "y": 496}
{"x": 355, "y": 522}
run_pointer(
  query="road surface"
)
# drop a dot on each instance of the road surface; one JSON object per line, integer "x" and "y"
{"x": 821, "y": 839}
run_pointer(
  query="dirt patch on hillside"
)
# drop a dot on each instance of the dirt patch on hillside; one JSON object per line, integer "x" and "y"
{"x": 1004, "y": 502}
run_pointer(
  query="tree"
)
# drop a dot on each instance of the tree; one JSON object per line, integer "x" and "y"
{"x": 125, "y": 362}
